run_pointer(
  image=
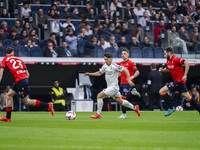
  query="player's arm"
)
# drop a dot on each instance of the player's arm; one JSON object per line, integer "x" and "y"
{"x": 135, "y": 74}
{"x": 1, "y": 73}
{"x": 161, "y": 69}
{"x": 98, "y": 73}
{"x": 27, "y": 73}
{"x": 187, "y": 67}
{"x": 128, "y": 76}
{"x": 119, "y": 75}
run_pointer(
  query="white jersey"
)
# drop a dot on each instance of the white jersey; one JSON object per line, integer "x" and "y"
{"x": 111, "y": 74}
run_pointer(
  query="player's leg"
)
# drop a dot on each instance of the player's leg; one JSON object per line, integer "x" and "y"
{"x": 124, "y": 90}
{"x": 9, "y": 96}
{"x": 163, "y": 93}
{"x": 100, "y": 98}
{"x": 127, "y": 104}
{"x": 37, "y": 103}
{"x": 190, "y": 99}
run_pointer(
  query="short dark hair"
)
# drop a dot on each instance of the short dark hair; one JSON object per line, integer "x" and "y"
{"x": 16, "y": 38}
{"x": 52, "y": 34}
{"x": 139, "y": 25}
{"x": 153, "y": 66}
{"x": 49, "y": 42}
{"x": 108, "y": 55}
{"x": 125, "y": 50}
{"x": 169, "y": 49}
{"x": 9, "y": 50}
{"x": 55, "y": 80}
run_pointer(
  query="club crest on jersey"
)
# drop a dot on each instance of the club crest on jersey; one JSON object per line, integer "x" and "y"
{"x": 127, "y": 64}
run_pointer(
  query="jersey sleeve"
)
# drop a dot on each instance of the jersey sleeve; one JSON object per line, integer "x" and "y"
{"x": 3, "y": 63}
{"x": 133, "y": 67}
{"x": 179, "y": 60}
{"x": 102, "y": 69}
{"x": 118, "y": 67}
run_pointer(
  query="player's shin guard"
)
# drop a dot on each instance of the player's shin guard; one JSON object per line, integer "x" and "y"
{"x": 194, "y": 104}
{"x": 123, "y": 108}
{"x": 167, "y": 100}
{"x": 8, "y": 110}
{"x": 99, "y": 106}
{"x": 128, "y": 105}
{"x": 41, "y": 104}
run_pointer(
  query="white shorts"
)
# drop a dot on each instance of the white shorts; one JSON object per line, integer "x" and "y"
{"x": 112, "y": 92}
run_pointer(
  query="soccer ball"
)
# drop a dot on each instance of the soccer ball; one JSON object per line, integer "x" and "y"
{"x": 70, "y": 115}
{"x": 179, "y": 108}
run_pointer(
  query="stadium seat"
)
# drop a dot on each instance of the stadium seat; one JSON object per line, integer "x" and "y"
{"x": 21, "y": 42}
{"x": 147, "y": 52}
{"x": 119, "y": 52}
{"x": 107, "y": 29}
{"x": 129, "y": 30}
{"x": 135, "y": 52}
{"x": 128, "y": 38}
{"x": 23, "y": 52}
{"x": 36, "y": 51}
{"x": 112, "y": 50}
{"x": 99, "y": 52}
{"x": 177, "y": 50}
{"x": 81, "y": 47}
{"x": 43, "y": 44}
{"x": 2, "y": 52}
{"x": 6, "y": 34}
{"x": 15, "y": 50}
{"x": 7, "y": 42}
{"x": 159, "y": 52}
{"x": 117, "y": 38}
{"x": 62, "y": 15}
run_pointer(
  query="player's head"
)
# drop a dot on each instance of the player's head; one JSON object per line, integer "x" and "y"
{"x": 55, "y": 83}
{"x": 108, "y": 58}
{"x": 153, "y": 66}
{"x": 125, "y": 53}
{"x": 168, "y": 52}
{"x": 9, "y": 51}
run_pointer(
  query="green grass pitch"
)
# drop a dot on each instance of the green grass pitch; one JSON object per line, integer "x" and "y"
{"x": 151, "y": 131}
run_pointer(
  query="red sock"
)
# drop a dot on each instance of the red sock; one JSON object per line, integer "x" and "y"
{"x": 123, "y": 98}
{"x": 37, "y": 104}
{"x": 8, "y": 110}
{"x": 191, "y": 99}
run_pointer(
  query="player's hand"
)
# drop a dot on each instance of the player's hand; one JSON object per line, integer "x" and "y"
{"x": 184, "y": 78}
{"x": 131, "y": 83}
{"x": 160, "y": 69}
{"x": 87, "y": 74}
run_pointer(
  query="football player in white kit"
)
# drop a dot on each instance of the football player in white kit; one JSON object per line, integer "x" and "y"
{"x": 111, "y": 71}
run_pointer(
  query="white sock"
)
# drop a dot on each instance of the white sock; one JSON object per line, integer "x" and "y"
{"x": 99, "y": 106}
{"x": 128, "y": 105}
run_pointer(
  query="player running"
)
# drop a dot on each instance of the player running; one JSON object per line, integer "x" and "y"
{"x": 21, "y": 75}
{"x": 175, "y": 67}
{"x": 111, "y": 71}
{"x": 125, "y": 87}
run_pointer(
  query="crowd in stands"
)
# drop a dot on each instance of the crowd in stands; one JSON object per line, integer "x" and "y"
{"x": 103, "y": 28}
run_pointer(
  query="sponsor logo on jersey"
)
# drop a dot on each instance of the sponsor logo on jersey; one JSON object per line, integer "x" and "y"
{"x": 170, "y": 67}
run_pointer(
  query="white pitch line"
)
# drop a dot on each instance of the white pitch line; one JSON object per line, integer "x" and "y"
{"x": 93, "y": 147}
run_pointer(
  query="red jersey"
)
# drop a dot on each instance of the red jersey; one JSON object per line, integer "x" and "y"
{"x": 130, "y": 66}
{"x": 16, "y": 67}
{"x": 175, "y": 66}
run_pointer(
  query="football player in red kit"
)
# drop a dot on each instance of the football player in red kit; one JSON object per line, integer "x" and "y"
{"x": 19, "y": 71}
{"x": 175, "y": 67}
{"x": 125, "y": 88}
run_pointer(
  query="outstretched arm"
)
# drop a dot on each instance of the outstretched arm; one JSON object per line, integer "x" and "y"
{"x": 1, "y": 73}
{"x": 187, "y": 67}
{"x": 98, "y": 73}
